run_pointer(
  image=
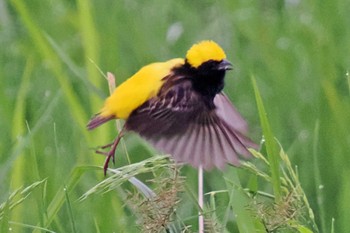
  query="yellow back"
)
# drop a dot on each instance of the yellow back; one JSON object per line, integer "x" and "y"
{"x": 142, "y": 86}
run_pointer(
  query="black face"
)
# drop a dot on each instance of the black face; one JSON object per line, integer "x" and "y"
{"x": 209, "y": 77}
{"x": 210, "y": 68}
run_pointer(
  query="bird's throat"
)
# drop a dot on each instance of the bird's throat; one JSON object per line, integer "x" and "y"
{"x": 209, "y": 84}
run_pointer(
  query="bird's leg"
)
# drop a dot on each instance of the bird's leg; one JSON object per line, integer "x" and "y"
{"x": 100, "y": 149}
{"x": 111, "y": 152}
{"x": 107, "y": 146}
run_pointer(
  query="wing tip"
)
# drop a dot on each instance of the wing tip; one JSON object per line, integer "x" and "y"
{"x": 98, "y": 120}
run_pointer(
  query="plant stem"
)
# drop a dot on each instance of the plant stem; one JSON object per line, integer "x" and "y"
{"x": 200, "y": 200}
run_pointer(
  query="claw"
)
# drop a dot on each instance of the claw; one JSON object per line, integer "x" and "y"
{"x": 101, "y": 152}
{"x": 111, "y": 152}
{"x": 105, "y": 166}
{"x": 107, "y": 146}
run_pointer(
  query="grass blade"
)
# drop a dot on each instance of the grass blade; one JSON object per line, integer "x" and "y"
{"x": 4, "y": 217}
{"x": 332, "y": 226}
{"x": 27, "y": 226}
{"x": 239, "y": 202}
{"x": 348, "y": 79}
{"x": 270, "y": 143}
{"x": 70, "y": 211}
{"x": 59, "y": 199}
{"x": 77, "y": 71}
{"x": 18, "y": 131}
{"x": 317, "y": 175}
{"x": 125, "y": 173}
{"x": 55, "y": 64}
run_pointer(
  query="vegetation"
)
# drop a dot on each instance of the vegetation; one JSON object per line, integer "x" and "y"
{"x": 290, "y": 80}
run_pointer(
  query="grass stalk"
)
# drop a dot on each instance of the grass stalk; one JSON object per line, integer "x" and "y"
{"x": 348, "y": 80}
{"x": 70, "y": 210}
{"x": 57, "y": 202}
{"x": 271, "y": 147}
{"x": 200, "y": 199}
{"x": 317, "y": 175}
{"x": 18, "y": 132}
{"x": 49, "y": 55}
{"x": 239, "y": 202}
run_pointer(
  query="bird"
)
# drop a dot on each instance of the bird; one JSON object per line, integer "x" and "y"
{"x": 180, "y": 108}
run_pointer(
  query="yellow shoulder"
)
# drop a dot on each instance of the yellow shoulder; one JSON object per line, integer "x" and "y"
{"x": 136, "y": 90}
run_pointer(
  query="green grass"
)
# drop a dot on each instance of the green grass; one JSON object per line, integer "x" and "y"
{"x": 297, "y": 51}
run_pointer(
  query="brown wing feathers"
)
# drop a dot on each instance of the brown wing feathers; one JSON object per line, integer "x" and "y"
{"x": 179, "y": 123}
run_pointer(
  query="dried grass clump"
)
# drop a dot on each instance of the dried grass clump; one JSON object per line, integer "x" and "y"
{"x": 156, "y": 213}
{"x": 281, "y": 216}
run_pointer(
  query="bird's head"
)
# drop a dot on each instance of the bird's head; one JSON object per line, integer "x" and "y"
{"x": 209, "y": 56}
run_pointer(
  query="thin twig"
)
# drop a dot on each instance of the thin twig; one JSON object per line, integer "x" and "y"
{"x": 200, "y": 200}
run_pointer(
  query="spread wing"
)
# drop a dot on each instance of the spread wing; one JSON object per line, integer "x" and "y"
{"x": 227, "y": 112}
{"x": 194, "y": 130}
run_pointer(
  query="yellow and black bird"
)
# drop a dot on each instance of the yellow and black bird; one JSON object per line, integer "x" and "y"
{"x": 178, "y": 106}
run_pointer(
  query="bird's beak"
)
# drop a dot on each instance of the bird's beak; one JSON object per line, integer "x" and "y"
{"x": 225, "y": 65}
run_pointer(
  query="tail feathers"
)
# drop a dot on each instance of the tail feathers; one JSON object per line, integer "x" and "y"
{"x": 98, "y": 120}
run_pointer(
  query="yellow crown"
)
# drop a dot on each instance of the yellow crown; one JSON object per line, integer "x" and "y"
{"x": 204, "y": 51}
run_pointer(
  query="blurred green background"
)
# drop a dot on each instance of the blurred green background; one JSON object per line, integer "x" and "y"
{"x": 298, "y": 51}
